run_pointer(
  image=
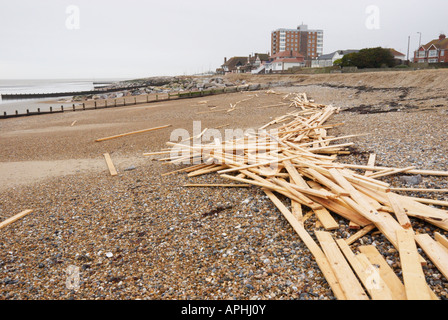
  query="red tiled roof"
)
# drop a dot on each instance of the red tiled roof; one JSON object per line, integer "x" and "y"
{"x": 298, "y": 60}
{"x": 440, "y": 44}
{"x": 287, "y": 54}
{"x": 396, "y": 53}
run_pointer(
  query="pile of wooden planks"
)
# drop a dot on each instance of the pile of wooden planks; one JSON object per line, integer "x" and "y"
{"x": 296, "y": 166}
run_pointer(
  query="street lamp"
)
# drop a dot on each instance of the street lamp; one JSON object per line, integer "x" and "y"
{"x": 409, "y": 42}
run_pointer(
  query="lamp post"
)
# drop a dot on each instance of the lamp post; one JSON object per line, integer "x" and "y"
{"x": 409, "y": 42}
{"x": 420, "y": 40}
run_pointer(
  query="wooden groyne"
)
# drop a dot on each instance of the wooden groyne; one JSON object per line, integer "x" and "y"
{"x": 132, "y": 100}
{"x": 24, "y": 96}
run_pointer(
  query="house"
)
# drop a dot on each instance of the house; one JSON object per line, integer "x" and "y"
{"x": 327, "y": 60}
{"x": 255, "y": 62}
{"x": 283, "y": 61}
{"x": 260, "y": 58}
{"x": 234, "y": 65}
{"x": 243, "y": 64}
{"x": 433, "y": 52}
{"x": 398, "y": 55}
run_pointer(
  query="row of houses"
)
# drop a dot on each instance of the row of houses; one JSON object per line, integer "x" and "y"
{"x": 263, "y": 63}
{"x": 284, "y": 60}
{"x": 436, "y": 51}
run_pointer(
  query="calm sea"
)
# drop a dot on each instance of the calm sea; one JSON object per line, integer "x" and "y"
{"x": 42, "y": 86}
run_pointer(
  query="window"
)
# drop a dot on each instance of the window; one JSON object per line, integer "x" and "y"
{"x": 442, "y": 53}
{"x": 433, "y": 60}
{"x": 432, "y": 53}
{"x": 422, "y": 54}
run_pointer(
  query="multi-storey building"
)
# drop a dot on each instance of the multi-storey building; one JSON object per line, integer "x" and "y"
{"x": 307, "y": 42}
{"x": 433, "y": 52}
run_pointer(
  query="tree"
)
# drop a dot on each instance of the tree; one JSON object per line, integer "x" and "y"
{"x": 369, "y": 58}
{"x": 337, "y": 62}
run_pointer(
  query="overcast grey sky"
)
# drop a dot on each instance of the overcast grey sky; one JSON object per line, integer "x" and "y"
{"x": 138, "y": 38}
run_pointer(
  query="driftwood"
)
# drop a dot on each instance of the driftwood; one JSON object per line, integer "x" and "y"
{"x": 299, "y": 162}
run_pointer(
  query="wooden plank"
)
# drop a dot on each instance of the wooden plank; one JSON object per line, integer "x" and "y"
{"x": 371, "y": 163}
{"x": 441, "y": 239}
{"x": 326, "y": 182}
{"x": 132, "y": 133}
{"x": 386, "y": 273}
{"x": 354, "y": 194}
{"x": 316, "y": 251}
{"x": 14, "y": 218}
{"x": 326, "y": 219}
{"x": 266, "y": 163}
{"x": 392, "y": 172}
{"x": 346, "y": 212}
{"x": 294, "y": 174}
{"x": 420, "y": 190}
{"x": 361, "y": 233}
{"x": 421, "y": 172}
{"x": 110, "y": 165}
{"x": 414, "y": 279}
{"x": 206, "y": 171}
{"x": 399, "y": 211}
{"x": 367, "y": 273}
{"x": 347, "y": 279}
{"x": 431, "y": 201}
{"x": 435, "y": 251}
{"x": 222, "y": 185}
{"x": 434, "y": 216}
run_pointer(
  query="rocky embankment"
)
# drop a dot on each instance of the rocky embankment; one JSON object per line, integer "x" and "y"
{"x": 156, "y": 85}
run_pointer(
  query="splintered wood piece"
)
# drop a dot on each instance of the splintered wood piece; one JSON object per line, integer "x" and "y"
{"x": 14, "y": 218}
{"x": 399, "y": 211}
{"x": 73, "y": 123}
{"x": 110, "y": 165}
{"x": 435, "y": 251}
{"x": 353, "y": 226}
{"x": 131, "y": 133}
{"x": 316, "y": 251}
{"x": 308, "y": 215}
{"x": 386, "y": 272}
{"x": 367, "y": 273}
{"x": 297, "y": 211}
{"x": 347, "y": 279}
{"x": 413, "y": 276}
{"x": 361, "y": 233}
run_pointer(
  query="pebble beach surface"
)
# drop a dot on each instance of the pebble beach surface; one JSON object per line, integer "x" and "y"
{"x": 141, "y": 235}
